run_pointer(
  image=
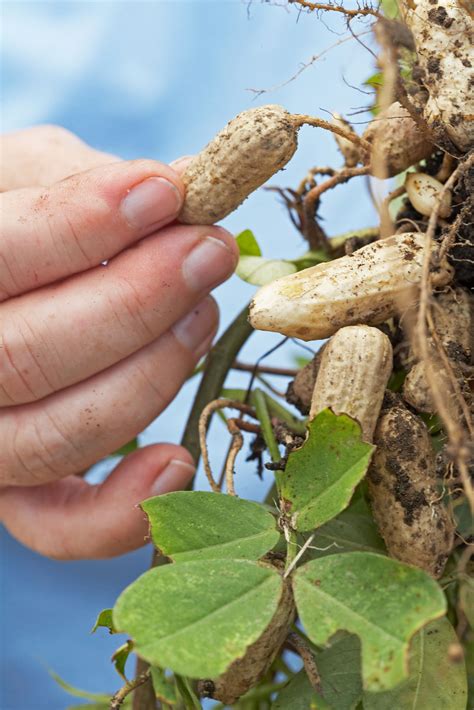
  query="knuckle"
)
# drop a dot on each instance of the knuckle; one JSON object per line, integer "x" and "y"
{"x": 23, "y": 376}
{"x": 55, "y": 135}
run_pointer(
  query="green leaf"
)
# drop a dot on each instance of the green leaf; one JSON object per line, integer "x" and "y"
{"x": 248, "y": 245}
{"x": 310, "y": 258}
{"x": 198, "y": 525}
{"x": 466, "y": 599}
{"x": 120, "y": 657}
{"x": 390, "y": 9}
{"x": 352, "y": 530}
{"x": 259, "y": 271}
{"x": 463, "y": 517}
{"x": 320, "y": 477}
{"x": 164, "y": 687}
{"x": 339, "y": 668}
{"x": 132, "y": 445}
{"x": 435, "y": 681}
{"x": 298, "y": 694}
{"x": 197, "y": 617}
{"x": 380, "y": 599}
{"x": 93, "y": 706}
{"x": 77, "y": 692}
{"x": 104, "y": 619}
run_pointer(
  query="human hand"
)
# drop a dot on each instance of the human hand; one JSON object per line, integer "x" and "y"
{"x": 91, "y": 354}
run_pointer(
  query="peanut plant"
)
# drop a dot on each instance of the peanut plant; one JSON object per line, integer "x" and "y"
{"x": 349, "y": 588}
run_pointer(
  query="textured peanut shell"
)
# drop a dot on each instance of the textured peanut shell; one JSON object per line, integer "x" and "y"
{"x": 406, "y": 503}
{"x": 353, "y": 375}
{"x": 245, "y": 672}
{"x": 444, "y": 33}
{"x": 396, "y": 142}
{"x": 452, "y": 319}
{"x": 300, "y": 390}
{"x": 245, "y": 154}
{"x": 371, "y": 285}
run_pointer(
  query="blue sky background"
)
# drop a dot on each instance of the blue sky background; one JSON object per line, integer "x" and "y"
{"x": 158, "y": 79}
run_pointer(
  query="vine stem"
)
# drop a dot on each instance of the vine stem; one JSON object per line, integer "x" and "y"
{"x": 117, "y": 699}
{"x": 217, "y": 365}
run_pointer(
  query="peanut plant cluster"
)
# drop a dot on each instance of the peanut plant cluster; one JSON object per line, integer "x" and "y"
{"x": 359, "y": 561}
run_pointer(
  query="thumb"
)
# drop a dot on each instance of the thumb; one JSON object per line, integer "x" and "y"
{"x": 70, "y": 519}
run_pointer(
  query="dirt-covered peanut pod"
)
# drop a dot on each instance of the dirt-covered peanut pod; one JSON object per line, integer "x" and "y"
{"x": 452, "y": 317}
{"x": 397, "y": 142}
{"x": 244, "y": 155}
{"x": 244, "y": 673}
{"x": 406, "y": 501}
{"x": 367, "y": 287}
{"x": 443, "y": 33}
{"x": 349, "y": 149}
{"x": 300, "y": 390}
{"x": 353, "y": 375}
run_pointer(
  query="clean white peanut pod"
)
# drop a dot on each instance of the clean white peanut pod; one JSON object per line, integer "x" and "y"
{"x": 355, "y": 367}
{"x": 424, "y": 192}
{"x": 245, "y": 154}
{"x": 368, "y": 287}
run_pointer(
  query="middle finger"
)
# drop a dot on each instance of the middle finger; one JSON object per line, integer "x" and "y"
{"x": 59, "y": 335}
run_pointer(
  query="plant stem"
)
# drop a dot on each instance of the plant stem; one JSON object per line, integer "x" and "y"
{"x": 129, "y": 686}
{"x": 266, "y": 424}
{"x": 217, "y": 365}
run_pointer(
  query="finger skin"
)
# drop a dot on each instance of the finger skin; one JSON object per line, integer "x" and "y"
{"x": 50, "y": 233}
{"x": 73, "y": 429}
{"x": 60, "y": 335}
{"x": 42, "y": 155}
{"x": 70, "y": 519}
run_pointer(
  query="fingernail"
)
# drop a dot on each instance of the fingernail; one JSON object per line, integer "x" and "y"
{"x": 150, "y": 202}
{"x": 174, "y": 477}
{"x": 210, "y": 262}
{"x": 197, "y": 327}
{"x": 181, "y": 163}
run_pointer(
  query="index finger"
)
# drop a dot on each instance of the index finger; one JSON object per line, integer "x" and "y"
{"x": 43, "y": 155}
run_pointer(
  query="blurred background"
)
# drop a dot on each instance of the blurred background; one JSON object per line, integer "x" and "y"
{"x": 157, "y": 79}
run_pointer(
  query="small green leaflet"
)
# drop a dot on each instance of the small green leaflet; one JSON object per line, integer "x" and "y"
{"x": 163, "y": 686}
{"x": 120, "y": 657}
{"x": 380, "y": 599}
{"x": 175, "y": 611}
{"x": 339, "y": 670}
{"x": 104, "y": 619}
{"x": 299, "y": 695}
{"x": 248, "y": 245}
{"x": 435, "y": 681}
{"x": 198, "y": 525}
{"x": 320, "y": 477}
{"x": 466, "y": 599}
{"x": 352, "y": 530}
{"x": 77, "y": 692}
{"x": 258, "y": 271}
{"x": 127, "y": 448}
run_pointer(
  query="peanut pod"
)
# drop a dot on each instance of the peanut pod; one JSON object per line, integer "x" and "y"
{"x": 245, "y": 154}
{"x": 452, "y": 318}
{"x": 406, "y": 502}
{"x": 244, "y": 673}
{"x": 443, "y": 32}
{"x": 353, "y": 375}
{"x": 371, "y": 285}
{"x": 397, "y": 142}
